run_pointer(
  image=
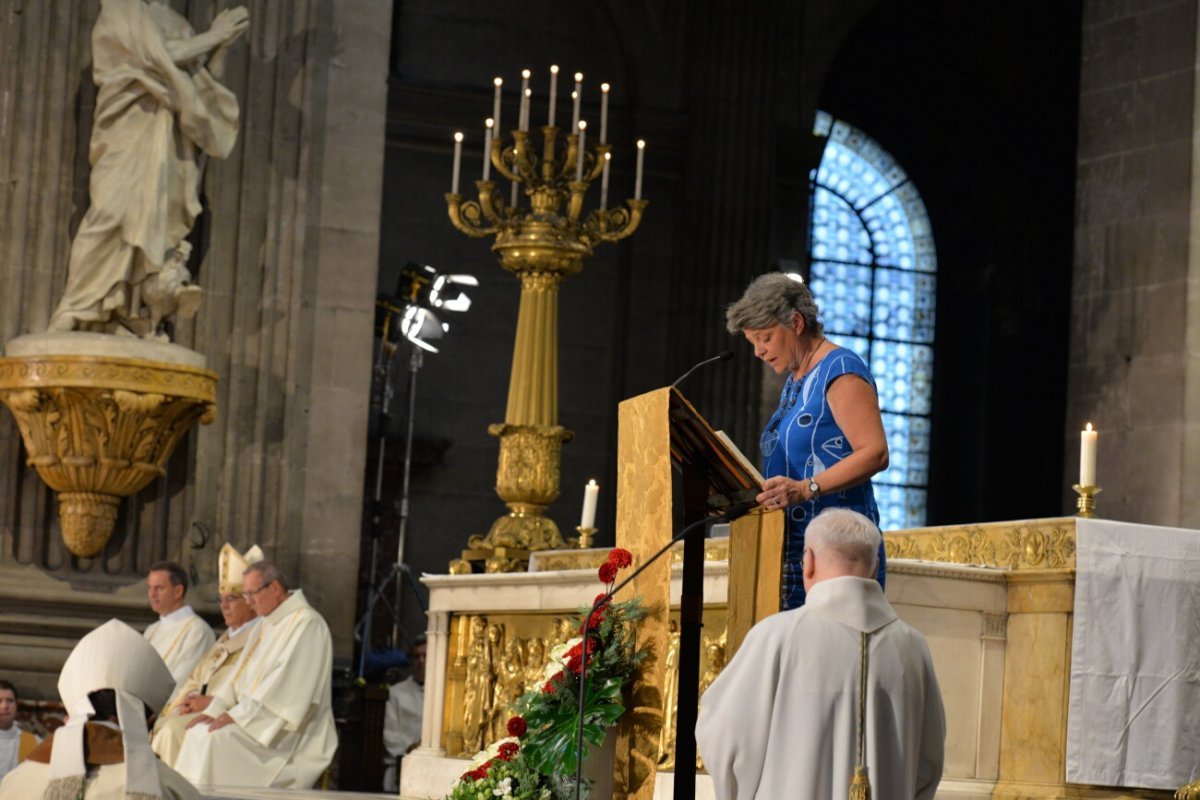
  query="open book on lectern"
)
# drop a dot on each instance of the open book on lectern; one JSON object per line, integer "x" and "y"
{"x": 731, "y": 477}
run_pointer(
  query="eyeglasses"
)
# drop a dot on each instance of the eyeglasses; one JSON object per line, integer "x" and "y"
{"x": 255, "y": 592}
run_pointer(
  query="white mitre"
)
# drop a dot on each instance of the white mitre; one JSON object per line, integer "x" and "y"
{"x": 231, "y": 565}
{"x": 113, "y": 656}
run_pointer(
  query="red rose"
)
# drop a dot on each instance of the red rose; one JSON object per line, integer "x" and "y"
{"x": 507, "y": 751}
{"x": 575, "y": 663}
{"x": 621, "y": 557}
{"x": 516, "y": 727}
{"x": 608, "y": 572}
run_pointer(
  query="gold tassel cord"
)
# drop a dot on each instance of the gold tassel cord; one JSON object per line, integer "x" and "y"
{"x": 860, "y": 786}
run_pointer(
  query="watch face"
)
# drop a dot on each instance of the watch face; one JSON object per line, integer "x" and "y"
{"x": 813, "y": 487}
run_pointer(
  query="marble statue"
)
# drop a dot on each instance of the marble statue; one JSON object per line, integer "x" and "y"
{"x": 160, "y": 113}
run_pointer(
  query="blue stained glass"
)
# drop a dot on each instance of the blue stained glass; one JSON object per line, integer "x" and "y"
{"x": 873, "y": 273}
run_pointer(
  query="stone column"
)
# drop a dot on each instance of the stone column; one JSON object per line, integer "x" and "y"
{"x": 1134, "y": 365}
{"x": 438, "y": 654}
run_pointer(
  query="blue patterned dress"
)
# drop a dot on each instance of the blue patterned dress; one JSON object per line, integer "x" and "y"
{"x": 802, "y": 440}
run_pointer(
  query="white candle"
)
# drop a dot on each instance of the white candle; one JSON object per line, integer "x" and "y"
{"x": 496, "y": 102}
{"x": 553, "y": 91}
{"x": 590, "y": 493}
{"x": 458, "y": 137}
{"x": 582, "y": 146}
{"x": 577, "y": 95}
{"x": 604, "y": 182}
{"x": 525, "y": 93}
{"x": 637, "y": 182}
{"x": 487, "y": 148}
{"x": 603, "y": 113}
{"x": 1087, "y": 456}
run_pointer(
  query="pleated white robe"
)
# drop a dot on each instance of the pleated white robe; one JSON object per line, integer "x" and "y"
{"x": 781, "y": 719}
{"x": 280, "y": 700}
{"x": 182, "y": 639}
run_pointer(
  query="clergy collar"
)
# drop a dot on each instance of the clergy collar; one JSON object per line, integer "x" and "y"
{"x": 294, "y": 602}
{"x": 178, "y": 615}
{"x": 243, "y": 627}
{"x": 855, "y": 602}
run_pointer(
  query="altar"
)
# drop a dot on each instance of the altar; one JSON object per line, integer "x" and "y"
{"x": 996, "y": 601}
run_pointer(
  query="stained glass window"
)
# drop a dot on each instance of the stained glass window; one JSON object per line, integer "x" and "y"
{"x": 874, "y": 273}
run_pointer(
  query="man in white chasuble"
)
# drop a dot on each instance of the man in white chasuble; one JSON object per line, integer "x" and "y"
{"x": 272, "y": 725}
{"x": 179, "y": 635}
{"x": 789, "y": 718}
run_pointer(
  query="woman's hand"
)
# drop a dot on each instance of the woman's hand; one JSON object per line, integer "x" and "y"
{"x": 781, "y": 492}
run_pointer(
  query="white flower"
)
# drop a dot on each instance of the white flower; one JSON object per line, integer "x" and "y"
{"x": 493, "y": 750}
{"x": 503, "y": 788}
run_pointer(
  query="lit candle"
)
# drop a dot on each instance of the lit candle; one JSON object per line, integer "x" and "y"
{"x": 517, "y": 170}
{"x": 582, "y": 145}
{"x": 637, "y": 182}
{"x": 604, "y": 183}
{"x": 458, "y": 137}
{"x": 496, "y": 102}
{"x": 525, "y": 93}
{"x": 553, "y": 91}
{"x": 603, "y": 113}
{"x": 1087, "y": 456}
{"x": 590, "y": 493}
{"x": 487, "y": 148}
{"x": 576, "y": 95}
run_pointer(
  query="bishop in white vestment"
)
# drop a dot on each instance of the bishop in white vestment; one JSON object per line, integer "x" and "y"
{"x": 782, "y": 718}
{"x": 180, "y": 636}
{"x": 272, "y": 725}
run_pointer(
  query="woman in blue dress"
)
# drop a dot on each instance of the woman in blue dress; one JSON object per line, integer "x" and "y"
{"x": 826, "y": 439}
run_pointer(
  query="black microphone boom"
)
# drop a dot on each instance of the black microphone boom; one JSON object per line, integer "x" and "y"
{"x": 724, "y": 355}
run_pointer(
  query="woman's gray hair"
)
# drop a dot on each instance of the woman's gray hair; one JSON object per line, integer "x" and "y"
{"x": 849, "y": 534}
{"x": 772, "y": 299}
{"x": 269, "y": 572}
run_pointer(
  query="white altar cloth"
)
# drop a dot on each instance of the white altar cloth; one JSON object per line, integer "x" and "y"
{"x": 1134, "y": 713}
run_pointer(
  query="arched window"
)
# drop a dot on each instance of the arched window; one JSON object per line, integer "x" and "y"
{"x": 873, "y": 273}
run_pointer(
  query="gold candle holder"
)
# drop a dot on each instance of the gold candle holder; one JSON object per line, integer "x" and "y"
{"x": 1087, "y": 500}
{"x": 585, "y": 536}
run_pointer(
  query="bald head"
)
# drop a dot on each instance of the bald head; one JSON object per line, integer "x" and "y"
{"x": 839, "y": 543}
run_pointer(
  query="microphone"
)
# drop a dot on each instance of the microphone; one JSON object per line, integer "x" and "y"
{"x": 730, "y": 513}
{"x": 724, "y": 355}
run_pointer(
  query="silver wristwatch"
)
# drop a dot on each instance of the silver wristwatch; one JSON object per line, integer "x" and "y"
{"x": 814, "y": 489}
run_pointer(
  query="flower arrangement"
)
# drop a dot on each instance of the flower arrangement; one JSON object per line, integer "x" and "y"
{"x": 538, "y": 759}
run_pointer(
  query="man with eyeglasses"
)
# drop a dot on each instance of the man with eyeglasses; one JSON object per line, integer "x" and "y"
{"x": 272, "y": 725}
{"x": 219, "y": 664}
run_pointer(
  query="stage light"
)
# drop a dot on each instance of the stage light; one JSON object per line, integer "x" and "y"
{"x": 439, "y": 293}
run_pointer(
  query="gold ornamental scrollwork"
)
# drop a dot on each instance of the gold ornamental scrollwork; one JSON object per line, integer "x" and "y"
{"x": 97, "y": 429}
{"x": 1013, "y": 546}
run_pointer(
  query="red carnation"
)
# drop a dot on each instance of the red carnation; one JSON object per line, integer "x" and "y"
{"x": 516, "y": 727}
{"x": 621, "y": 557}
{"x": 608, "y": 572}
{"x": 507, "y": 751}
{"x": 602, "y": 596}
{"x": 575, "y": 663}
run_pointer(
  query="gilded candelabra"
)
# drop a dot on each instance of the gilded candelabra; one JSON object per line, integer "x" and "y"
{"x": 540, "y": 245}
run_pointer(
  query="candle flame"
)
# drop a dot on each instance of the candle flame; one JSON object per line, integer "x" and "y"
{"x": 529, "y": 92}
{"x": 608, "y": 156}
{"x": 458, "y": 137}
{"x": 582, "y": 124}
{"x": 592, "y": 482}
{"x": 554, "y": 69}
{"x": 525, "y": 74}
{"x": 498, "y": 81}
{"x": 1089, "y": 426}
{"x": 604, "y": 88}
{"x": 641, "y": 144}
{"x": 579, "y": 77}
{"x": 489, "y": 122}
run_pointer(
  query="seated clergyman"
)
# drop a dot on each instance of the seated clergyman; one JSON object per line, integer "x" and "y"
{"x": 272, "y": 725}
{"x": 111, "y": 682}
{"x": 219, "y": 664}
{"x": 179, "y": 635}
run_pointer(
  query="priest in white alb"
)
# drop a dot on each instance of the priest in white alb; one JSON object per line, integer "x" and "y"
{"x": 219, "y": 664}
{"x": 180, "y": 636}
{"x": 272, "y": 725}
{"x": 783, "y": 718}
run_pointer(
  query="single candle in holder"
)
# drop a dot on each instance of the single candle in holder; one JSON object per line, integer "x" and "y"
{"x": 582, "y": 145}
{"x": 523, "y": 116}
{"x": 496, "y": 102}
{"x": 1087, "y": 456}
{"x": 487, "y": 147}
{"x": 553, "y": 91}
{"x": 604, "y": 183}
{"x": 603, "y": 113}
{"x": 590, "y": 493}
{"x": 577, "y": 95}
{"x": 525, "y": 110}
{"x": 637, "y": 181}
{"x": 458, "y": 139}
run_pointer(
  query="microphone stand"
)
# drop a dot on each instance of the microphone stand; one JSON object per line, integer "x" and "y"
{"x": 728, "y": 515}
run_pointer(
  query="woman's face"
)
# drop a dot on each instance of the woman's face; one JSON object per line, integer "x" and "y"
{"x": 778, "y": 346}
